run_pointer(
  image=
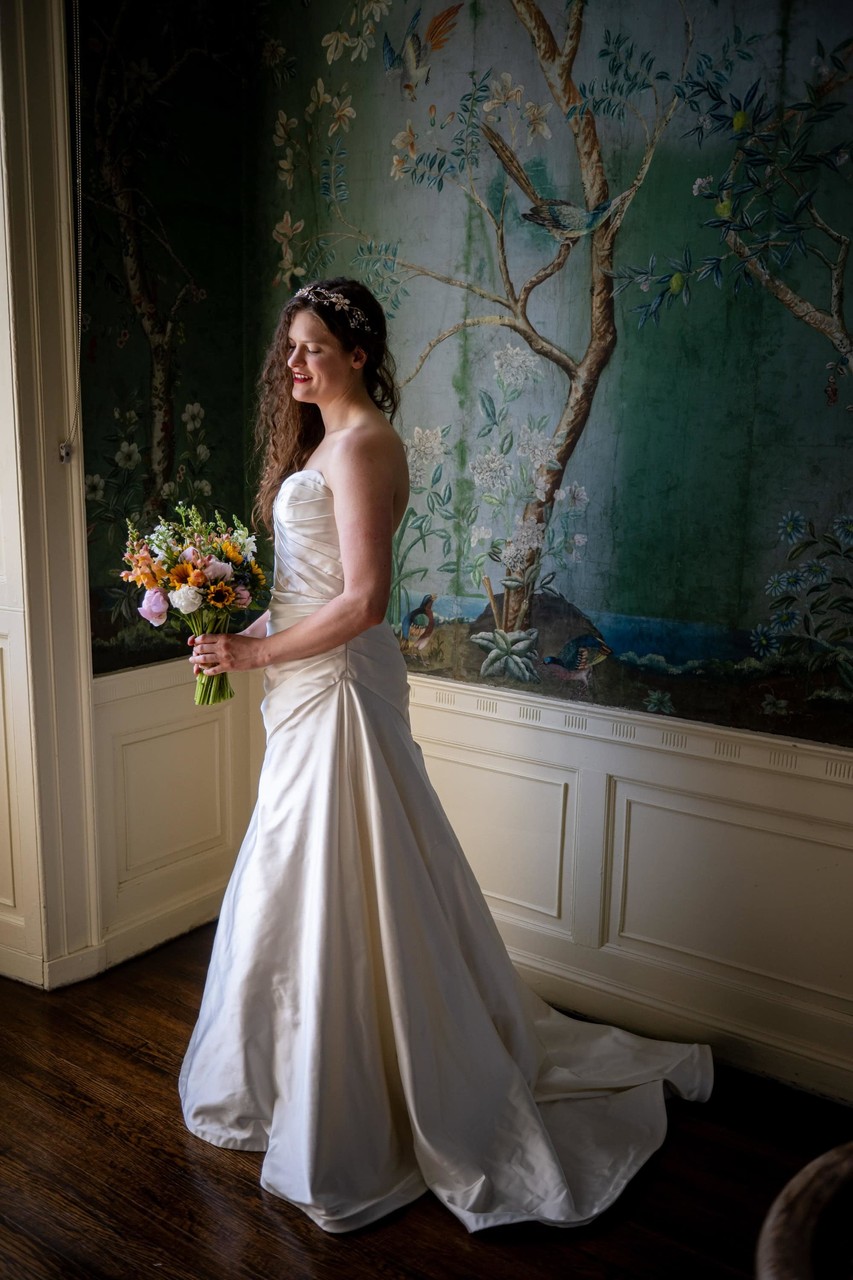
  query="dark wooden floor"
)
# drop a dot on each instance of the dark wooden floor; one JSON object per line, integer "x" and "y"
{"x": 99, "y": 1179}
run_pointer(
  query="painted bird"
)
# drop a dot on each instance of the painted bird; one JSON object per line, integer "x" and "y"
{"x": 412, "y": 61}
{"x": 419, "y": 625}
{"x": 579, "y": 655}
{"x": 564, "y": 220}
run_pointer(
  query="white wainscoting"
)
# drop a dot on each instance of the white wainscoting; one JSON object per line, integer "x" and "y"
{"x": 175, "y": 788}
{"x": 679, "y": 879}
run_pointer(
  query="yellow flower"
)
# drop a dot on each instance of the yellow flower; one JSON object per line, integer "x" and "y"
{"x": 231, "y": 551}
{"x": 220, "y": 595}
{"x": 180, "y": 575}
{"x": 259, "y": 575}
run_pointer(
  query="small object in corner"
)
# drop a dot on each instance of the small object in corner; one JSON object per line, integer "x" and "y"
{"x": 65, "y": 451}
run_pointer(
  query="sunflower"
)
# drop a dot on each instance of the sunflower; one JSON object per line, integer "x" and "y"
{"x": 220, "y": 595}
{"x": 180, "y": 575}
{"x": 259, "y": 575}
{"x": 231, "y": 551}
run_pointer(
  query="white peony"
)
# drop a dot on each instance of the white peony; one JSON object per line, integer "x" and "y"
{"x": 187, "y": 599}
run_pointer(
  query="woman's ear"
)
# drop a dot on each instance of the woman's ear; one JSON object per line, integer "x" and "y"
{"x": 359, "y": 358}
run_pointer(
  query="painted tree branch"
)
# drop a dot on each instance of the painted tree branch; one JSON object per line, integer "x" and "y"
{"x": 533, "y": 339}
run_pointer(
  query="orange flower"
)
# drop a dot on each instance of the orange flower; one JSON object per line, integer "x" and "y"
{"x": 197, "y": 578}
{"x": 220, "y": 595}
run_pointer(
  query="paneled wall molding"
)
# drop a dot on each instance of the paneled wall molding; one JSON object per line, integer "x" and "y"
{"x": 692, "y": 882}
{"x": 653, "y": 732}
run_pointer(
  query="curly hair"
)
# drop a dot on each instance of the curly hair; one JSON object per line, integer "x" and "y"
{"x": 287, "y": 432}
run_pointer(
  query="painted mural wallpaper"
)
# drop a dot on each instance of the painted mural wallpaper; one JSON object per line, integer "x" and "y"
{"x": 613, "y": 245}
{"x": 162, "y": 345}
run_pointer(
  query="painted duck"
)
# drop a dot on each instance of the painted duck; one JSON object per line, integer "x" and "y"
{"x": 419, "y": 624}
{"x": 579, "y": 655}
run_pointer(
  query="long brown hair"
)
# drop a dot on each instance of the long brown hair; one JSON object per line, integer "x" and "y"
{"x": 287, "y": 432}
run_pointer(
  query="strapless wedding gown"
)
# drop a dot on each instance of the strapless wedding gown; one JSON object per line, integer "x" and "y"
{"x": 362, "y": 1023}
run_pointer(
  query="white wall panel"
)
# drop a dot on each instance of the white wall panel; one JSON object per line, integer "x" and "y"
{"x": 706, "y": 876}
{"x": 7, "y": 873}
{"x": 175, "y": 787}
{"x": 519, "y": 807}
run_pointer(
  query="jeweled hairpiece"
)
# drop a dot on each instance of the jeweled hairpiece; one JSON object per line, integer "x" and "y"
{"x": 354, "y": 314}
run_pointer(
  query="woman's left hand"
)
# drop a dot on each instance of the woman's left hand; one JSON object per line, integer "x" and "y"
{"x": 212, "y": 655}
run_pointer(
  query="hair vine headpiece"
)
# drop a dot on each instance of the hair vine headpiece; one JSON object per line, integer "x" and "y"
{"x": 354, "y": 314}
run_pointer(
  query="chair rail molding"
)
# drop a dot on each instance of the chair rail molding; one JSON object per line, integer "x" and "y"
{"x": 680, "y": 879}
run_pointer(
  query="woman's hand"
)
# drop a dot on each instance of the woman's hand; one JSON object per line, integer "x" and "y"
{"x": 212, "y": 655}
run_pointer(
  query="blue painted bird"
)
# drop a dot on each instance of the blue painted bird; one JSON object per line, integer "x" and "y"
{"x": 578, "y": 656}
{"x": 564, "y": 220}
{"x": 412, "y": 61}
{"x": 419, "y": 625}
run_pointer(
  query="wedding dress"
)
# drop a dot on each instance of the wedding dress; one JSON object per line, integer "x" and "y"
{"x": 362, "y": 1023}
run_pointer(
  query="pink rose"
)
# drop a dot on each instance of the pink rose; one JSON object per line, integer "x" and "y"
{"x": 241, "y": 597}
{"x": 155, "y": 606}
{"x": 217, "y": 570}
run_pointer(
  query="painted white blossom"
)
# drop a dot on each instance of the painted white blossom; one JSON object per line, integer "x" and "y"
{"x": 577, "y": 496}
{"x": 528, "y": 535}
{"x": 480, "y": 533}
{"x": 362, "y": 42}
{"x": 202, "y": 452}
{"x": 536, "y": 120}
{"x": 701, "y": 185}
{"x": 334, "y": 44}
{"x": 375, "y": 9}
{"x": 705, "y": 121}
{"x": 192, "y": 416}
{"x": 169, "y": 489}
{"x": 128, "y": 455}
{"x": 186, "y": 599}
{"x": 536, "y": 446}
{"x": 559, "y": 495}
{"x": 514, "y": 365}
{"x": 504, "y": 92}
{"x": 94, "y": 487}
{"x": 424, "y": 450}
{"x": 284, "y": 127}
{"x": 202, "y": 488}
{"x": 577, "y": 543}
{"x": 491, "y": 471}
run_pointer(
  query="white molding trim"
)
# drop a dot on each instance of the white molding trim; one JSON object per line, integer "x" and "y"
{"x": 689, "y": 738}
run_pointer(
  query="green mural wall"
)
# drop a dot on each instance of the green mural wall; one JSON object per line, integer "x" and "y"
{"x": 613, "y": 246}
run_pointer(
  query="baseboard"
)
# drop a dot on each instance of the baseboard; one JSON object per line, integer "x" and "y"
{"x": 20, "y": 966}
{"x": 152, "y": 931}
{"x": 805, "y": 1067}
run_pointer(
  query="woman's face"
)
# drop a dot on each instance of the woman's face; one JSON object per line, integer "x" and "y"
{"x": 322, "y": 371}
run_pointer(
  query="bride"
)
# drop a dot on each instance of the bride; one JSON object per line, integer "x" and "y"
{"x": 361, "y": 1022}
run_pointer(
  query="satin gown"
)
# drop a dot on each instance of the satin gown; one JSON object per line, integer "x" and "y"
{"x": 362, "y": 1023}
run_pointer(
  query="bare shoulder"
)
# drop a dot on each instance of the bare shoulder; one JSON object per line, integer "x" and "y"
{"x": 370, "y": 448}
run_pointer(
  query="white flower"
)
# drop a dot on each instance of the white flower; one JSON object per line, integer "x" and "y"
{"x": 705, "y": 121}
{"x": 128, "y": 455}
{"x": 577, "y": 495}
{"x": 286, "y": 169}
{"x": 536, "y": 446}
{"x": 362, "y": 42}
{"x": 202, "y": 487}
{"x": 375, "y": 9}
{"x": 186, "y": 598}
{"x": 94, "y": 488}
{"x": 202, "y": 452}
{"x": 168, "y": 490}
{"x": 284, "y": 126}
{"x": 249, "y": 546}
{"x": 192, "y": 416}
{"x": 491, "y": 470}
{"x": 504, "y": 92}
{"x": 480, "y": 533}
{"x": 424, "y": 450}
{"x": 536, "y": 122}
{"x": 701, "y": 185}
{"x": 529, "y": 535}
{"x": 559, "y": 494}
{"x": 580, "y": 539}
{"x": 514, "y": 365}
{"x": 576, "y": 543}
{"x": 334, "y": 44}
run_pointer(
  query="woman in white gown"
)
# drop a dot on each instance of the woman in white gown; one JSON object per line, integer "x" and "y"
{"x": 362, "y": 1023}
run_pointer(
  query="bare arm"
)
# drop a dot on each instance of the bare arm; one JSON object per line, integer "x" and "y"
{"x": 362, "y": 475}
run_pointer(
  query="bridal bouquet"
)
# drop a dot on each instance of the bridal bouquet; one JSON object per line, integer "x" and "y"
{"x": 200, "y": 573}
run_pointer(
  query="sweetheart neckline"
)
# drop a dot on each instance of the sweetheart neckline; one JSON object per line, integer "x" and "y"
{"x": 308, "y": 471}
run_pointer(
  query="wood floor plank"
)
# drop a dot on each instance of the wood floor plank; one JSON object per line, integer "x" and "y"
{"x": 99, "y": 1179}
